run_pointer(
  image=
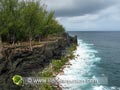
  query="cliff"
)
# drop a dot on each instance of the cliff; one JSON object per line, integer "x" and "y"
{"x": 23, "y": 62}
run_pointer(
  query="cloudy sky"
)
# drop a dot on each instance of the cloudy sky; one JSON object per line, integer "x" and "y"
{"x": 86, "y": 15}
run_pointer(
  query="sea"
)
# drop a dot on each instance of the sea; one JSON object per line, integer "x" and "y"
{"x": 97, "y": 58}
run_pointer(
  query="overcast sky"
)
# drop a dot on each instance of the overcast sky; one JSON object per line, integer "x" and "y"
{"x": 80, "y": 15}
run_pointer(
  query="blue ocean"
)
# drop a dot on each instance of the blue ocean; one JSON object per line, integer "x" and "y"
{"x": 98, "y": 55}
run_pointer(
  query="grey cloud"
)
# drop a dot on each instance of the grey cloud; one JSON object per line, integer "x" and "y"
{"x": 107, "y": 19}
{"x": 67, "y": 8}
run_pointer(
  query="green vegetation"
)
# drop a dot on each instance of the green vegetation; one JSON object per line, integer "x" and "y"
{"x": 55, "y": 66}
{"x": 26, "y": 20}
{"x": 72, "y": 48}
{"x": 47, "y": 73}
{"x": 47, "y": 86}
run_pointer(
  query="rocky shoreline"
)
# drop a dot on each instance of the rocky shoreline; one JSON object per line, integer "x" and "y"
{"x": 23, "y": 62}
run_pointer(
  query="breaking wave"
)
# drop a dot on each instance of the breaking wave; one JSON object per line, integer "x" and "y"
{"x": 82, "y": 67}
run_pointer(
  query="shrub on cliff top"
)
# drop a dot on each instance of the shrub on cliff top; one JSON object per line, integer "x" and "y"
{"x": 26, "y": 20}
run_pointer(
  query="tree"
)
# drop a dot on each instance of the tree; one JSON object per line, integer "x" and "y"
{"x": 31, "y": 18}
{"x": 24, "y": 20}
{"x": 10, "y": 23}
{"x": 47, "y": 23}
{"x": 41, "y": 23}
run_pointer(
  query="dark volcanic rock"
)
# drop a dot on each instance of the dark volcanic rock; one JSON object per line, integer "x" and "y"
{"x": 24, "y": 62}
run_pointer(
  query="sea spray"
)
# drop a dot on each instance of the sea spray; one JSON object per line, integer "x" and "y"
{"x": 82, "y": 68}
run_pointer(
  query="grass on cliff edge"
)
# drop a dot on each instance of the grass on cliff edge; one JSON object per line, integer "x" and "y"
{"x": 55, "y": 66}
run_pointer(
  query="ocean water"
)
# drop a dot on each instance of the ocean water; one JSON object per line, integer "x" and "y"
{"x": 97, "y": 56}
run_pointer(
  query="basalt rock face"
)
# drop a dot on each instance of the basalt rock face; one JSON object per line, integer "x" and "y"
{"x": 15, "y": 62}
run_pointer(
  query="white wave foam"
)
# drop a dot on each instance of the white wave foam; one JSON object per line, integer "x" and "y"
{"x": 105, "y": 88}
{"x": 81, "y": 66}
